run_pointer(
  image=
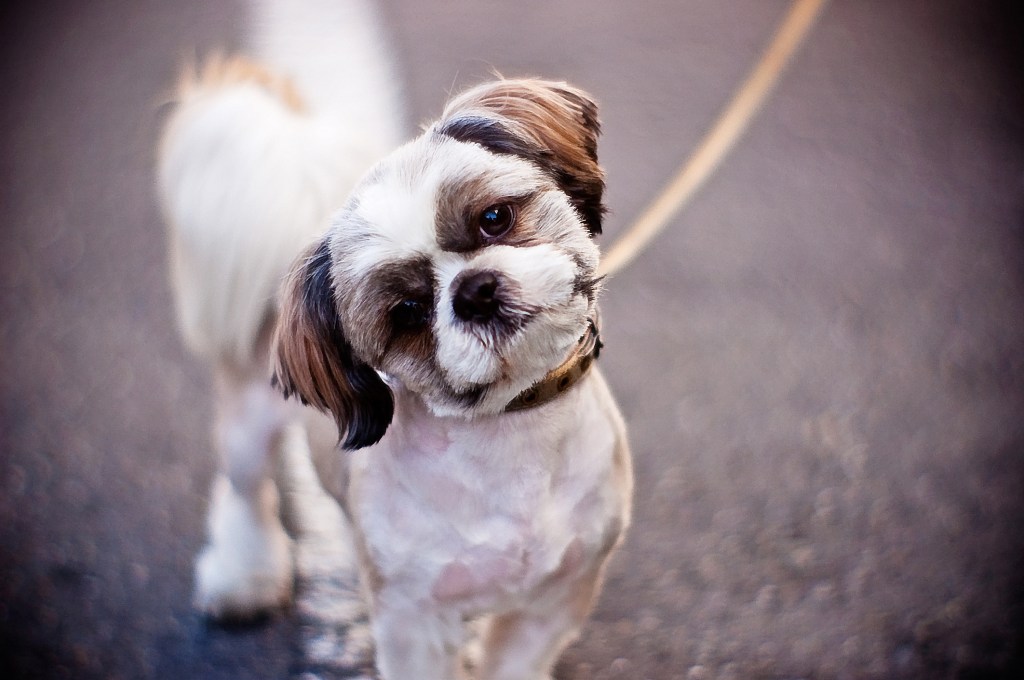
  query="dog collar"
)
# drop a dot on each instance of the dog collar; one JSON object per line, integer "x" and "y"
{"x": 559, "y": 380}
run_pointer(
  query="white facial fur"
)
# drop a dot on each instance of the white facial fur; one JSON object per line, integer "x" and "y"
{"x": 410, "y": 230}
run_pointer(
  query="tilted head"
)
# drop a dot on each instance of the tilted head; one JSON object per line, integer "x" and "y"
{"x": 462, "y": 266}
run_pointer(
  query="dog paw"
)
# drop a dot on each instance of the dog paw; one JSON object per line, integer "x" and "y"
{"x": 227, "y": 589}
{"x": 247, "y": 568}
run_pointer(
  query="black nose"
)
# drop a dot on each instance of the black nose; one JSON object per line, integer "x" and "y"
{"x": 475, "y": 297}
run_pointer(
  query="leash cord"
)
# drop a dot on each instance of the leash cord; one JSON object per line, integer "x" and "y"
{"x": 731, "y": 123}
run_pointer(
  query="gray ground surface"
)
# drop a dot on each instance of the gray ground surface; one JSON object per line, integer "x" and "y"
{"x": 821, "y": 364}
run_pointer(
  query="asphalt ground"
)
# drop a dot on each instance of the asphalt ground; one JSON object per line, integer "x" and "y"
{"x": 821, "y": 362}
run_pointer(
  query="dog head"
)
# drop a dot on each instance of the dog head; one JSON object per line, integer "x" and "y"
{"x": 462, "y": 267}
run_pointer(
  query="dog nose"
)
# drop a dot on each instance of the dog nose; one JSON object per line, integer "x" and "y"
{"x": 475, "y": 297}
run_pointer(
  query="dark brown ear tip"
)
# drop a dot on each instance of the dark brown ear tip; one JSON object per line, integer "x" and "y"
{"x": 363, "y": 432}
{"x": 370, "y": 412}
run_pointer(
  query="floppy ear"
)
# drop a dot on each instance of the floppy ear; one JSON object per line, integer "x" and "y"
{"x": 312, "y": 358}
{"x": 549, "y": 123}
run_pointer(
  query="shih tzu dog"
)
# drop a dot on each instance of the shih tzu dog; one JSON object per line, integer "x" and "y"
{"x": 447, "y": 320}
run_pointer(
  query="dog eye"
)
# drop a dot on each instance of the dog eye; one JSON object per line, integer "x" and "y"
{"x": 408, "y": 314}
{"x": 496, "y": 220}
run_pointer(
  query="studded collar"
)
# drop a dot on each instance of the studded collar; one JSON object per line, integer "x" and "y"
{"x": 561, "y": 379}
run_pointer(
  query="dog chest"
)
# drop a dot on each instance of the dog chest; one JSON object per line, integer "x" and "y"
{"x": 479, "y": 528}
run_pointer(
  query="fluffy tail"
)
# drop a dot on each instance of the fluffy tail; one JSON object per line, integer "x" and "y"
{"x": 258, "y": 153}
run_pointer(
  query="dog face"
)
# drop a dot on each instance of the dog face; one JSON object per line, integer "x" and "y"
{"x": 462, "y": 267}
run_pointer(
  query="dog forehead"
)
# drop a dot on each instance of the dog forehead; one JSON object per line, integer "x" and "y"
{"x": 397, "y": 208}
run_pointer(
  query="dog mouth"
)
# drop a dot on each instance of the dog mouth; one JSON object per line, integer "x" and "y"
{"x": 500, "y": 330}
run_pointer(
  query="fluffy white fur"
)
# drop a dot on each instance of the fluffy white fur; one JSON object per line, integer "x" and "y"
{"x": 246, "y": 179}
{"x": 253, "y": 160}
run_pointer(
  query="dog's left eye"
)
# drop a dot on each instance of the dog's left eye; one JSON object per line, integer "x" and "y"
{"x": 408, "y": 314}
{"x": 496, "y": 220}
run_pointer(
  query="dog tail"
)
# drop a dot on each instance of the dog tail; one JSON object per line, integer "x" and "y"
{"x": 256, "y": 155}
{"x": 335, "y": 53}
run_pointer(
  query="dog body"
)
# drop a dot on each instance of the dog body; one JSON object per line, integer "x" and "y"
{"x": 447, "y": 320}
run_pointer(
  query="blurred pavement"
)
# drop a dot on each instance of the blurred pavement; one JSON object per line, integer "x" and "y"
{"x": 821, "y": 363}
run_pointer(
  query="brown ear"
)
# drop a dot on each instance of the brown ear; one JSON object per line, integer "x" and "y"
{"x": 550, "y": 123}
{"x": 312, "y": 358}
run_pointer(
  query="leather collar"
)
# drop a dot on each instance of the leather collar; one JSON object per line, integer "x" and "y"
{"x": 559, "y": 380}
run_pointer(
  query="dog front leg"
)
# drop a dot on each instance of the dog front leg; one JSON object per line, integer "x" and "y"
{"x": 246, "y": 568}
{"x": 525, "y": 644}
{"x": 414, "y": 642}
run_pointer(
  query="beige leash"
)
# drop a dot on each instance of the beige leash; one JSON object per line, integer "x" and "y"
{"x": 719, "y": 140}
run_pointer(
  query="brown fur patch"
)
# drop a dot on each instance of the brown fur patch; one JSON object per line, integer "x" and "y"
{"x": 313, "y": 359}
{"x": 369, "y": 303}
{"x": 459, "y": 205}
